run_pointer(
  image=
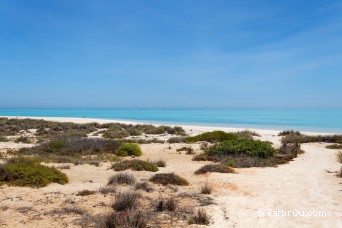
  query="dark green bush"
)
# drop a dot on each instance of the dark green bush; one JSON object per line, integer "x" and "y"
{"x": 135, "y": 164}
{"x": 29, "y": 173}
{"x": 129, "y": 149}
{"x": 168, "y": 178}
{"x": 242, "y": 146}
{"x": 214, "y": 136}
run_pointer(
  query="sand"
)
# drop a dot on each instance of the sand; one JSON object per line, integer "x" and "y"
{"x": 307, "y": 184}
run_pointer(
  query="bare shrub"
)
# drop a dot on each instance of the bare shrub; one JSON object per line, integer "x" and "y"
{"x": 144, "y": 186}
{"x": 122, "y": 178}
{"x": 125, "y": 201}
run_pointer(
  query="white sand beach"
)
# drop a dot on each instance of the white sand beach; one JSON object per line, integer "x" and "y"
{"x": 290, "y": 195}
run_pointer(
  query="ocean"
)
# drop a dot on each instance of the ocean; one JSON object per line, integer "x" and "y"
{"x": 320, "y": 120}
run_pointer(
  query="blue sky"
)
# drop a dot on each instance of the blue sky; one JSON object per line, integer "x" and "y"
{"x": 190, "y": 53}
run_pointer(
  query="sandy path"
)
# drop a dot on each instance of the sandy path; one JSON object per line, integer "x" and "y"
{"x": 302, "y": 184}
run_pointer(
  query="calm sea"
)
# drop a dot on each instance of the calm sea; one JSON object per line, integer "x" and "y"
{"x": 322, "y": 120}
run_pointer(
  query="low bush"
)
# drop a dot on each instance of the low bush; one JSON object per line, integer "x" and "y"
{"x": 125, "y": 201}
{"x": 217, "y": 168}
{"x": 242, "y": 146}
{"x": 335, "y": 146}
{"x": 129, "y": 149}
{"x": 144, "y": 186}
{"x": 22, "y": 172}
{"x": 65, "y": 146}
{"x": 188, "y": 150}
{"x": 85, "y": 193}
{"x": 135, "y": 164}
{"x": 339, "y": 157}
{"x": 289, "y": 132}
{"x": 176, "y": 140}
{"x": 246, "y": 134}
{"x": 299, "y": 138}
{"x": 168, "y": 204}
{"x": 24, "y": 139}
{"x": 168, "y": 178}
{"x": 125, "y": 219}
{"x": 214, "y": 136}
{"x": 3, "y": 139}
{"x": 121, "y": 178}
{"x": 107, "y": 189}
{"x": 160, "y": 163}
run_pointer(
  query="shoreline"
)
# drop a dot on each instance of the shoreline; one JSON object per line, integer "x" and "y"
{"x": 189, "y": 128}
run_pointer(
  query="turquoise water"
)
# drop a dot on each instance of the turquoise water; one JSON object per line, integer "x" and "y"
{"x": 323, "y": 120}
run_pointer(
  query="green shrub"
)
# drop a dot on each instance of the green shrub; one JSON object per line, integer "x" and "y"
{"x": 129, "y": 149}
{"x": 30, "y": 173}
{"x": 168, "y": 178}
{"x": 242, "y": 146}
{"x": 294, "y": 137}
{"x": 214, "y": 136}
{"x": 135, "y": 164}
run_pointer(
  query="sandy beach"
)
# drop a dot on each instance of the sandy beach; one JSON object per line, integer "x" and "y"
{"x": 303, "y": 193}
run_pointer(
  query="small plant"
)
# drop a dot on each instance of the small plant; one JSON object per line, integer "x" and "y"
{"x": 144, "y": 186}
{"x": 170, "y": 204}
{"x": 206, "y": 189}
{"x": 85, "y": 193}
{"x": 129, "y": 149}
{"x": 200, "y": 218}
{"x": 168, "y": 178}
{"x": 125, "y": 201}
{"x": 129, "y": 218}
{"x": 217, "y": 168}
{"x": 135, "y": 164}
{"x": 289, "y": 132}
{"x": 122, "y": 178}
{"x": 107, "y": 190}
{"x": 160, "y": 163}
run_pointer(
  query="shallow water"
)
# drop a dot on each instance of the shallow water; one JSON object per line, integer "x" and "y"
{"x": 323, "y": 120}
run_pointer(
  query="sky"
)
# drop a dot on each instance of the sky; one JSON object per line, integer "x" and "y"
{"x": 171, "y": 54}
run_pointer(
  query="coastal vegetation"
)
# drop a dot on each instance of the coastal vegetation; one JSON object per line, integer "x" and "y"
{"x": 136, "y": 165}
{"x": 27, "y": 172}
{"x": 168, "y": 178}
